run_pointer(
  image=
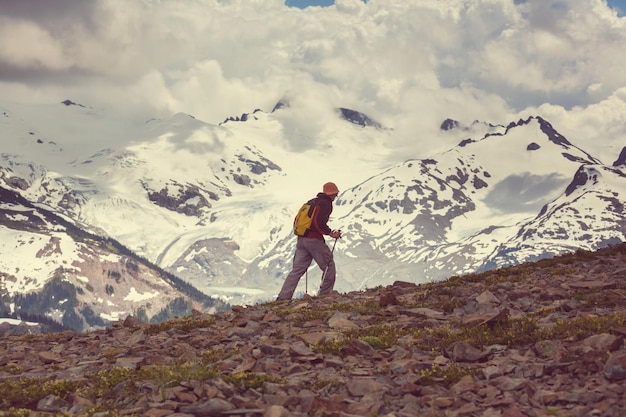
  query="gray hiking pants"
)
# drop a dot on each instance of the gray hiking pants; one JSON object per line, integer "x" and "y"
{"x": 308, "y": 249}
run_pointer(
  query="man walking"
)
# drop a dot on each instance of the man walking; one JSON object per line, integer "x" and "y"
{"x": 311, "y": 246}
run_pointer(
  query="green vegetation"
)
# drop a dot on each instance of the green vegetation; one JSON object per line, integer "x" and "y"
{"x": 512, "y": 332}
{"x": 446, "y": 375}
{"x": 26, "y": 392}
{"x": 109, "y": 385}
{"x": 300, "y": 316}
{"x": 216, "y": 355}
{"x": 178, "y": 307}
{"x": 185, "y": 324}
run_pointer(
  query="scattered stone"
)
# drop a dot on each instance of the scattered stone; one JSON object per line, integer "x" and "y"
{"x": 214, "y": 407}
{"x": 299, "y": 348}
{"x": 487, "y": 297}
{"x": 403, "y": 284}
{"x": 595, "y": 284}
{"x": 427, "y": 312}
{"x": 279, "y": 360}
{"x": 603, "y": 342}
{"x": 464, "y": 352}
{"x": 615, "y": 367}
{"x": 340, "y": 320}
{"x": 49, "y": 357}
{"x": 277, "y": 411}
{"x": 131, "y": 321}
{"x": 51, "y": 403}
{"x": 388, "y": 299}
{"x": 358, "y": 387}
{"x": 357, "y": 347}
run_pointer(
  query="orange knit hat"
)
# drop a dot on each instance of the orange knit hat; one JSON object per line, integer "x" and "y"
{"x": 330, "y": 188}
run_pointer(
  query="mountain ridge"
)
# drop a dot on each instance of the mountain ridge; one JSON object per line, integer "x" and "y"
{"x": 213, "y": 204}
{"x": 435, "y": 198}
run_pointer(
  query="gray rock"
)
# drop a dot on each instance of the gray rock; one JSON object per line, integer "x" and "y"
{"x": 51, "y": 403}
{"x": 464, "y": 352}
{"x": 214, "y": 407}
{"x": 615, "y": 367}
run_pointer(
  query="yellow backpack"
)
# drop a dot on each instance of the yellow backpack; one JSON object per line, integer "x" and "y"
{"x": 304, "y": 218}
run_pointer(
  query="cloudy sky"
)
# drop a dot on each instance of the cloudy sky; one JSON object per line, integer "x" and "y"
{"x": 407, "y": 63}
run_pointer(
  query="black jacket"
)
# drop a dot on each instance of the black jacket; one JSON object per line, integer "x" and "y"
{"x": 319, "y": 228}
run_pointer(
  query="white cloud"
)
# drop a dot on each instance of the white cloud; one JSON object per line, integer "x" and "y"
{"x": 409, "y": 64}
{"x": 600, "y": 126}
{"x": 44, "y": 51}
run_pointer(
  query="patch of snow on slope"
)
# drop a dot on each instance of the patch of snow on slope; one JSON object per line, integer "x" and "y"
{"x": 133, "y": 295}
{"x": 16, "y": 322}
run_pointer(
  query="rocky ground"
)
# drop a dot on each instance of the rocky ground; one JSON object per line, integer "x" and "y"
{"x": 540, "y": 339}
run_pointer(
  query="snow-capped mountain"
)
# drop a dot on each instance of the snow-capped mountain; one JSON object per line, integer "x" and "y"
{"x": 213, "y": 204}
{"x": 518, "y": 193}
{"x": 51, "y": 269}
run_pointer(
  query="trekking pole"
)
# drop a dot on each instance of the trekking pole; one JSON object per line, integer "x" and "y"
{"x": 331, "y": 252}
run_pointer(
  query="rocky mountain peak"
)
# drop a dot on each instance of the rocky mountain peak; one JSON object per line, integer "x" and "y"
{"x": 281, "y": 104}
{"x": 69, "y": 102}
{"x": 621, "y": 160}
{"x": 358, "y": 118}
{"x": 449, "y": 124}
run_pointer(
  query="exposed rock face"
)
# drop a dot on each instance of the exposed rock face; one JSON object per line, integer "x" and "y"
{"x": 622, "y": 158}
{"x": 449, "y": 124}
{"x": 358, "y": 118}
{"x": 540, "y": 339}
{"x": 188, "y": 201}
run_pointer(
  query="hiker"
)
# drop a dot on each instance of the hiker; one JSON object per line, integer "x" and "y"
{"x": 311, "y": 244}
